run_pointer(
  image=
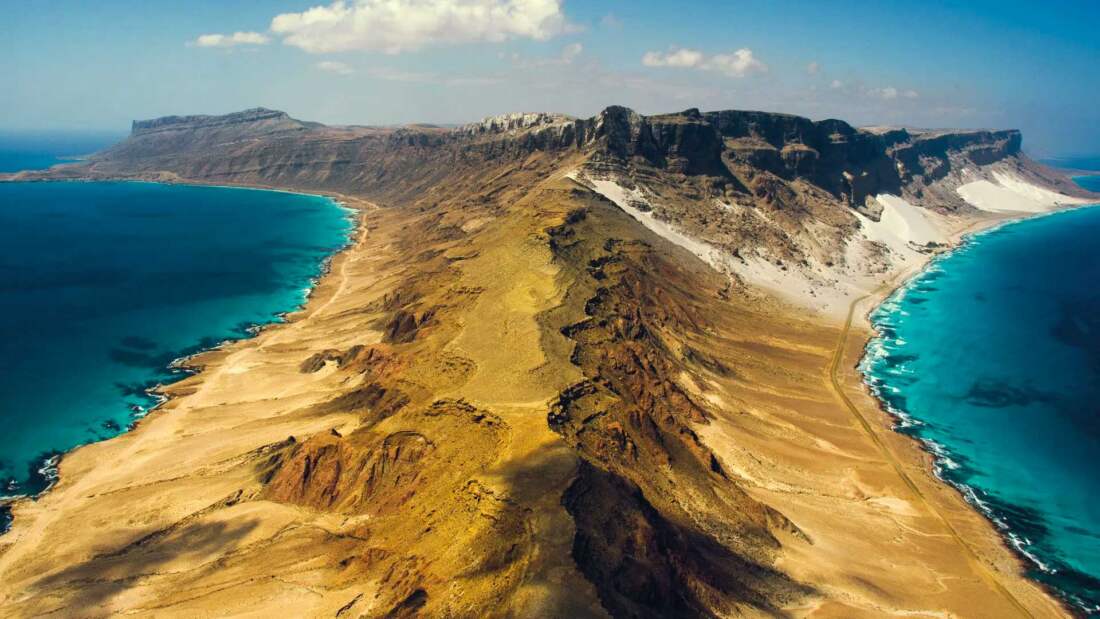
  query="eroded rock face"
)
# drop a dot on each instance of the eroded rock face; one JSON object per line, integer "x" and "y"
{"x": 318, "y": 361}
{"x": 515, "y": 122}
{"x": 328, "y": 471}
{"x": 251, "y": 121}
{"x": 729, "y": 146}
{"x": 930, "y": 155}
{"x": 661, "y": 530}
{"x": 404, "y": 325}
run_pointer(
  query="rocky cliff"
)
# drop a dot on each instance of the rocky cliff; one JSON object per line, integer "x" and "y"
{"x": 257, "y": 121}
{"x": 732, "y": 149}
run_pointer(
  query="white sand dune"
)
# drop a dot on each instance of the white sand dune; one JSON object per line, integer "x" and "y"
{"x": 902, "y": 227}
{"x": 1011, "y": 194}
{"x": 628, "y": 199}
{"x": 803, "y": 286}
{"x": 907, "y": 222}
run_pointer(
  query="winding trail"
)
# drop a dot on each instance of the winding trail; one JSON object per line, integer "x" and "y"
{"x": 834, "y": 382}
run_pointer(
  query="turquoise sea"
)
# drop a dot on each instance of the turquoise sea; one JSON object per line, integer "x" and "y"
{"x": 991, "y": 357}
{"x": 104, "y": 284}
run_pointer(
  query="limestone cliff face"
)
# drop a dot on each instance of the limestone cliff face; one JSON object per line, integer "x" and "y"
{"x": 847, "y": 162}
{"x": 255, "y": 120}
{"x": 730, "y": 147}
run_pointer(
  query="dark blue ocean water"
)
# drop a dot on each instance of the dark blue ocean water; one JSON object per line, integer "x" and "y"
{"x": 37, "y": 150}
{"x": 103, "y": 284}
{"x": 992, "y": 357}
{"x": 1079, "y": 162}
{"x": 1091, "y": 183}
{"x": 1082, "y": 162}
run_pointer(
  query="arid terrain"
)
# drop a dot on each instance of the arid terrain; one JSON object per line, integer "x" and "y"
{"x": 566, "y": 368}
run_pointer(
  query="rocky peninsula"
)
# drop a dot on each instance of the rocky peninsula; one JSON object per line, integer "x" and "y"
{"x": 568, "y": 367}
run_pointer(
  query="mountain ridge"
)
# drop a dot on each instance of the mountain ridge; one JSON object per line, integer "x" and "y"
{"x": 547, "y": 378}
{"x": 774, "y": 199}
{"x": 846, "y": 161}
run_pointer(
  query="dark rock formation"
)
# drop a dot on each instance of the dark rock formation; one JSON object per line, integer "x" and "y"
{"x": 649, "y": 493}
{"x": 732, "y": 146}
{"x": 759, "y": 156}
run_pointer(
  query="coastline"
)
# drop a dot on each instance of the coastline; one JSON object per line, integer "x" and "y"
{"x": 171, "y": 494}
{"x": 936, "y": 457}
{"x": 187, "y": 365}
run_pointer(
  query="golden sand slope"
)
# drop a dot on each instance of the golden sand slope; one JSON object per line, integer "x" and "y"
{"x": 540, "y": 410}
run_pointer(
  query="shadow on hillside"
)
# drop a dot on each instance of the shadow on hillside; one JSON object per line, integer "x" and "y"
{"x": 86, "y": 589}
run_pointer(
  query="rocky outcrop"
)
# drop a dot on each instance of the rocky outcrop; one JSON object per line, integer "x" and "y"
{"x": 341, "y": 358}
{"x": 326, "y": 470}
{"x": 849, "y": 163}
{"x": 929, "y": 156}
{"x": 735, "y": 150}
{"x": 518, "y": 121}
{"x": 649, "y": 495}
{"x": 256, "y": 120}
{"x": 404, "y": 325}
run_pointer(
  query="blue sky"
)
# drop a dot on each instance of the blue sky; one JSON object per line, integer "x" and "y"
{"x": 1011, "y": 63}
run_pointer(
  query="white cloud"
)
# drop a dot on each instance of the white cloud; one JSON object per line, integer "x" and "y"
{"x": 887, "y": 93}
{"x": 395, "y": 26}
{"x": 229, "y": 40}
{"x": 570, "y": 52}
{"x": 890, "y": 93}
{"x": 813, "y": 68}
{"x": 855, "y": 89}
{"x": 611, "y": 22}
{"x": 333, "y": 66}
{"x": 392, "y": 75}
{"x": 738, "y": 64}
{"x": 685, "y": 58}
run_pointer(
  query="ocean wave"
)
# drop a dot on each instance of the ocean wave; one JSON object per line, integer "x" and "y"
{"x": 942, "y": 456}
{"x": 877, "y": 378}
{"x": 942, "y": 463}
{"x": 48, "y": 471}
